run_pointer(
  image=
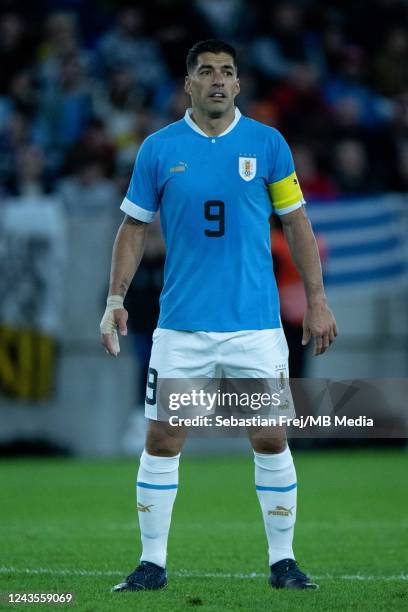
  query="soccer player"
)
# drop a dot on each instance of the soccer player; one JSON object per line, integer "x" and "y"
{"x": 216, "y": 176}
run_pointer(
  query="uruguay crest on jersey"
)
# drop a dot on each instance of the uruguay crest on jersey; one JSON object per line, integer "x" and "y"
{"x": 247, "y": 168}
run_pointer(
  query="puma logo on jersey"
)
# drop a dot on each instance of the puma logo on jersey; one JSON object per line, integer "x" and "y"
{"x": 180, "y": 167}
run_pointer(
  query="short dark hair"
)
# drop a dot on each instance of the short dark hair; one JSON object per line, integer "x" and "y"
{"x": 211, "y": 45}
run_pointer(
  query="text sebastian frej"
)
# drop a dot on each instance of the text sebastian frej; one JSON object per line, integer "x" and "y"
{"x": 280, "y": 421}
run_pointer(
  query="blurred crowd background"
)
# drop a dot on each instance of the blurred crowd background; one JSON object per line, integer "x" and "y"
{"x": 83, "y": 82}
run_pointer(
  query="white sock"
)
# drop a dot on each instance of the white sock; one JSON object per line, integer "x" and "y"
{"x": 157, "y": 482}
{"x": 275, "y": 481}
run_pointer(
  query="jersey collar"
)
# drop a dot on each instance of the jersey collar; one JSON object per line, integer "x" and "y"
{"x": 195, "y": 127}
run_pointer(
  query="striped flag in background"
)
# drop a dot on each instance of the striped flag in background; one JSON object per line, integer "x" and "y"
{"x": 366, "y": 239}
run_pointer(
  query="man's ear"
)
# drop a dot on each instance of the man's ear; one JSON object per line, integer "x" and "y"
{"x": 187, "y": 85}
{"x": 237, "y": 87}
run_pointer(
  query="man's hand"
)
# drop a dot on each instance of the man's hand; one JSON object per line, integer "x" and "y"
{"x": 319, "y": 323}
{"x": 115, "y": 318}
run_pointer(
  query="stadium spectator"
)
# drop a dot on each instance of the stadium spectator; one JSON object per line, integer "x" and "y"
{"x": 23, "y": 94}
{"x": 14, "y": 133}
{"x": 297, "y": 96}
{"x": 352, "y": 171}
{"x": 88, "y": 190}
{"x": 332, "y": 41}
{"x": 170, "y": 31}
{"x": 351, "y": 101}
{"x": 95, "y": 143}
{"x": 391, "y": 64}
{"x": 232, "y": 19}
{"x": 65, "y": 109}
{"x": 30, "y": 178}
{"x": 173, "y": 106}
{"x": 117, "y": 103}
{"x": 264, "y": 111}
{"x": 316, "y": 184}
{"x": 16, "y": 48}
{"x": 62, "y": 41}
{"x": 126, "y": 44}
{"x": 283, "y": 41}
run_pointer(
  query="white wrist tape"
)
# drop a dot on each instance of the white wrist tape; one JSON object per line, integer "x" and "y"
{"x": 108, "y": 325}
{"x": 114, "y": 301}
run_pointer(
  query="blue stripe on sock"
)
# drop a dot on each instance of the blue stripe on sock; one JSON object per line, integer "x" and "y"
{"x": 277, "y": 489}
{"x": 147, "y": 485}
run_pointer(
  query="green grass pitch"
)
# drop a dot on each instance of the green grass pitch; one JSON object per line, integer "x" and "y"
{"x": 71, "y": 525}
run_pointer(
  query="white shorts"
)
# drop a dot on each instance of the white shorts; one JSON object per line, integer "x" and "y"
{"x": 253, "y": 354}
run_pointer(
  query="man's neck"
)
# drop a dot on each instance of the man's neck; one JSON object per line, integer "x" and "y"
{"x": 213, "y": 126}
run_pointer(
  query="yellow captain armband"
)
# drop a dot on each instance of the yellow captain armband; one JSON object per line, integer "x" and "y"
{"x": 286, "y": 194}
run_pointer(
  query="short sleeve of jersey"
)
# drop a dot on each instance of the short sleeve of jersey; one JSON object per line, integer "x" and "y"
{"x": 142, "y": 201}
{"x": 283, "y": 184}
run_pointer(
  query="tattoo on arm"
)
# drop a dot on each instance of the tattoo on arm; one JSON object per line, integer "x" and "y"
{"x": 126, "y": 255}
{"x": 124, "y": 286}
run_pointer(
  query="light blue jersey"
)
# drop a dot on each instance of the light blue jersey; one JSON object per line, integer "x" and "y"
{"x": 215, "y": 196}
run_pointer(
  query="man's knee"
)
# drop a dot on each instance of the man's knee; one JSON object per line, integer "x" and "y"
{"x": 163, "y": 440}
{"x": 268, "y": 439}
{"x": 269, "y": 445}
